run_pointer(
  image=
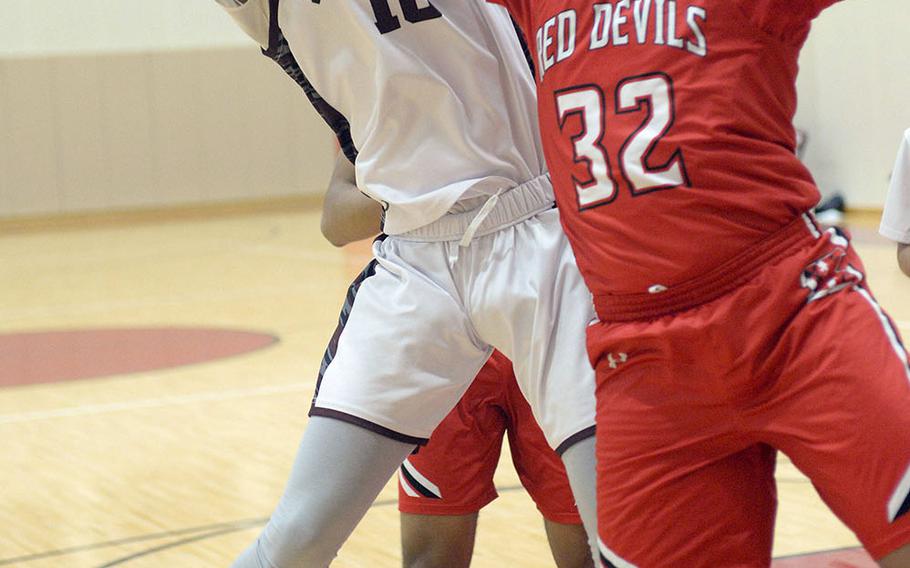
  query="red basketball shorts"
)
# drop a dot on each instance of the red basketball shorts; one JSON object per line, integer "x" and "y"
{"x": 453, "y": 473}
{"x": 796, "y": 357}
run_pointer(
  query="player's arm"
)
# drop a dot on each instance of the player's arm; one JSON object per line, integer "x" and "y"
{"x": 903, "y": 257}
{"x": 896, "y": 215}
{"x": 347, "y": 214}
{"x": 252, "y": 16}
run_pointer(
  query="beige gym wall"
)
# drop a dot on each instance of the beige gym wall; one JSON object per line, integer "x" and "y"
{"x": 855, "y": 96}
{"x": 113, "y": 104}
{"x": 110, "y": 105}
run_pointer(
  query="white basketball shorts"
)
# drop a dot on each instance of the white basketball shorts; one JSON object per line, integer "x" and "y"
{"x": 421, "y": 320}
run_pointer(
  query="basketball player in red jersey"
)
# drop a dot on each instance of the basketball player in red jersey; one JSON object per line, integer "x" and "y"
{"x": 443, "y": 486}
{"x": 730, "y": 325}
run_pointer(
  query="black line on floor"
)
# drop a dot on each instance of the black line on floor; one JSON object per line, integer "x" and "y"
{"x": 175, "y": 544}
{"x": 209, "y": 531}
{"x": 129, "y": 540}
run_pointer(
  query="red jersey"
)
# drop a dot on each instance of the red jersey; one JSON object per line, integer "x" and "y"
{"x": 667, "y": 128}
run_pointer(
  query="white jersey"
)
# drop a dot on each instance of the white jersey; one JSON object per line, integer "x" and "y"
{"x": 437, "y": 99}
{"x": 896, "y": 216}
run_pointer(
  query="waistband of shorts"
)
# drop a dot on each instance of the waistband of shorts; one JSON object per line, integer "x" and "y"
{"x": 513, "y": 206}
{"x": 712, "y": 284}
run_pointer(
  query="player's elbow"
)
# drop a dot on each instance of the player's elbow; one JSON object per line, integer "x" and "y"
{"x": 332, "y": 233}
{"x": 903, "y": 257}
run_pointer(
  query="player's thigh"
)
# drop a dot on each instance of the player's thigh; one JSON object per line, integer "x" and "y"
{"x": 453, "y": 473}
{"x": 677, "y": 484}
{"x": 535, "y": 308}
{"x": 402, "y": 356}
{"x": 718, "y": 514}
{"x": 433, "y": 541}
{"x": 840, "y": 413}
{"x": 539, "y": 467}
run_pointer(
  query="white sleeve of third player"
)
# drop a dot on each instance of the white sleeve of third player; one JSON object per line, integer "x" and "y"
{"x": 896, "y": 216}
{"x": 252, "y": 16}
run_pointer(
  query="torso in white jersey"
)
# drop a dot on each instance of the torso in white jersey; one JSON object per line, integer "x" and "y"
{"x": 438, "y": 99}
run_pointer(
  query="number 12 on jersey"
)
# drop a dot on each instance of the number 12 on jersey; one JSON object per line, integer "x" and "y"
{"x": 633, "y": 94}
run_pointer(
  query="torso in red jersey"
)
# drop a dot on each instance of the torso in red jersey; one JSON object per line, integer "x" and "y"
{"x": 667, "y": 127}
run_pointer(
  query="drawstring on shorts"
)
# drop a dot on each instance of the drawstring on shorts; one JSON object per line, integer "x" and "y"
{"x": 508, "y": 206}
{"x": 478, "y": 219}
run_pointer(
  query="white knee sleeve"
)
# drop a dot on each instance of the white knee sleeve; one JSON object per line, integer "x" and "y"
{"x": 581, "y": 467}
{"x": 337, "y": 474}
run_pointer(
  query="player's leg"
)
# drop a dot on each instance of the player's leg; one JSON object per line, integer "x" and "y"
{"x": 388, "y": 378}
{"x": 717, "y": 514}
{"x": 538, "y": 316}
{"x": 679, "y": 483}
{"x": 839, "y": 408}
{"x": 579, "y": 460}
{"x": 569, "y": 544}
{"x": 684, "y": 505}
{"x": 543, "y": 474}
{"x": 437, "y": 541}
{"x": 339, "y": 470}
{"x": 445, "y": 483}
{"x": 900, "y": 558}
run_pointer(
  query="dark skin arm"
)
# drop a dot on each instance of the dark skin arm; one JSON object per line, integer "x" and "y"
{"x": 347, "y": 214}
{"x": 903, "y": 257}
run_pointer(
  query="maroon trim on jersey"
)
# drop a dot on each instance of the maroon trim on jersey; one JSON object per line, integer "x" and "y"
{"x": 280, "y": 52}
{"x": 332, "y": 347}
{"x": 574, "y": 439}
{"x": 417, "y": 485}
{"x": 371, "y": 426}
{"x": 710, "y": 285}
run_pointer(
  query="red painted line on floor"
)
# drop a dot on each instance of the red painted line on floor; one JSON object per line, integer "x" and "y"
{"x": 53, "y": 356}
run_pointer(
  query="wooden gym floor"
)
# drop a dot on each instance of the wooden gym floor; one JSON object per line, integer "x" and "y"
{"x": 155, "y": 378}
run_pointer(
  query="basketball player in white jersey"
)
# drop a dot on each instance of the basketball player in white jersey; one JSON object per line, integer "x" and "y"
{"x": 896, "y": 216}
{"x": 435, "y": 106}
{"x": 443, "y": 487}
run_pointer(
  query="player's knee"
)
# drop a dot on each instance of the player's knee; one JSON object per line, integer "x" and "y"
{"x": 413, "y": 556}
{"x": 569, "y": 545}
{"x": 437, "y": 541}
{"x": 296, "y": 540}
{"x": 414, "y": 550}
{"x": 434, "y": 557}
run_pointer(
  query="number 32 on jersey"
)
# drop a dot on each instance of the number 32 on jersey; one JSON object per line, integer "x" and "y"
{"x": 653, "y": 92}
